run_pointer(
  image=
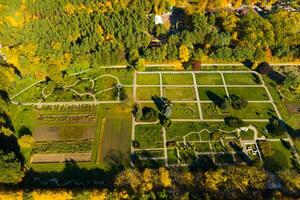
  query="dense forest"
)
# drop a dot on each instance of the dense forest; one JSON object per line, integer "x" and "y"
{"x": 42, "y": 37}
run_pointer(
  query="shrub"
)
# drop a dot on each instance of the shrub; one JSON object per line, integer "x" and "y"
{"x": 263, "y": 68}
{"x": 234, "y": 122}
{"x": 237, "y": 102}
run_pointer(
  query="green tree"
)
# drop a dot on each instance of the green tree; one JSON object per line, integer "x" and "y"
{"x": 10, "y": 168}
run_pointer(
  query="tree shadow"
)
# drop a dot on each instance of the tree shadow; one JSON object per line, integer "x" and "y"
{"x": 217, "y": 100}
{"x": 24, "y": 131}
{"x": 159, "y": 102}
{"x": 4, "y": 96}
{"x": 10, "y": 144}
{"x": 275, "y": 76}
{"x": 177, "y": 18}
{"x": 72, "y": 176}
{"x": 5, "y": 121}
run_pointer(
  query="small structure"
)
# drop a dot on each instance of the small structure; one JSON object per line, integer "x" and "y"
{"x": 162, "y": 19}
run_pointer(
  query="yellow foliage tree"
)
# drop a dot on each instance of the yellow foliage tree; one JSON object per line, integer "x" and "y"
{"x": 52, "y": 194}
{"x": 129, "y": 177}
{"x": 26, "y": 141}
{"x": 148, "y": 179}
{"x": 69, "y": 9}
{"x": 184, "y": 53}
{"x": 11, "y": 195}
{"x": 165, "y": 177}
{"x": 99, "y": 194}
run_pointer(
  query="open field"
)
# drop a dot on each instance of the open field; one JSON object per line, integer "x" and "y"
{"x": 148, "y": 136}
{"x": 241, "y": 79}
{"x": 148, "y": 79}
{"x": 185, "y": 111}
{"x": 61, "y": 157}
{"x": 177, "y": 79}
{"x": 179, "y": 94}
{"x": 146, "y": 93}
{"x": 250, "y": 94}
{"x": 209, "y": 79}
{"x": 211, "y": 93}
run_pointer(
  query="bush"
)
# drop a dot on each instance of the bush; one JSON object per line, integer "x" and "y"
{"x": 263, "y": 68}
{"x": 234, "y": 122}
{"x": 237, "y": 102}
{"x": 149, "y": 114}
{"x": 26, "y": 141}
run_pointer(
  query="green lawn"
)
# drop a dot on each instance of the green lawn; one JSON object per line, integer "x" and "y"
{"x": 280, "y": 158}
{"x": 202, "y": 147}
{"x": 250, "y": 94}
{"x": 252, "y": 111}
{"x": 247, "y": 135}
{"x": 148, "y": 79}
{"x": 146, "y": 93}
{"x": 177, "y": 79}
{"x": 179, "y": 129}
{"x": 149, "y": 136}
{"x": 210, "y": 93}
{"x": 240, "y": 79}
{"x": 116, "y": 131}
{"x": 185, "y": 111}
{"x": 178, "y": 94}
{"x": 172, "y": 156}
{"x": 209, "y": 79}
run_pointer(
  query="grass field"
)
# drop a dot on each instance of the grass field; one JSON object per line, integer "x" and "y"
{"x": 240, "y": 79}
{"x": 210, "y": 93}
{"x": 177, "y": 79}
{"x": 179, "y": 94}
{"x": 149, "y": 136}
{"x": 146, "y": 93}
{"x": 252, "y": 111}
{"x": 148, "y": 79}
{"x": 180, "y": 129}
{"x": 116, "y": 134}
{"x": 185, "y": 111}
{"x": 280, "y": 158}
{"x": 250, "y": 94}
{"x": 209, "y": 79}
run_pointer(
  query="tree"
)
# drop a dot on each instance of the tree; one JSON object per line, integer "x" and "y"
{"x": 291, "y": 180}
{"x": 138, "y": 114}
{"x": 10, "y": 168}
{"x": 164, "y": 177}
{"x": 184, "y": 54}
{"x": 291, "y": 81}
{"x": 263, "y": 68}
{"x": 237, "y": 102}
{"x": 234, "y": 122}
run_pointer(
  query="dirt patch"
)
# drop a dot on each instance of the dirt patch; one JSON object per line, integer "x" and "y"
{"x": 63, "y": 133}
{"x": 61, "y": 157}
{"x": 293, "y": 108}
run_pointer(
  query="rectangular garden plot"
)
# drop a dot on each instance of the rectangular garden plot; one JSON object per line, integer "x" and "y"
{"x": 177, "y": 79}
{"x": 179, "y": 94}
{"x": 249, "y": 93}
{"x": 149, "y": 136}
{"x": 148, "y": 79}
{"x": 241, "y": 79}
{"x": 185, "y": 111}
{"x": 61, "y": 157}
{"x": 146, "y": 93}
{"x": 64, "y": 132}
{"x": 209, "y": 79}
